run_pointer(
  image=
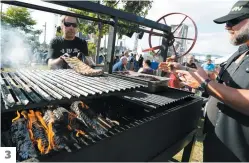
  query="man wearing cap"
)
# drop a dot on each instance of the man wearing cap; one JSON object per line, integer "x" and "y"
{"x": 227, "y": 119}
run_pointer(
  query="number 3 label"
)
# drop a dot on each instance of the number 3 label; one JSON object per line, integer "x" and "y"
{"x": 8, "y": 154}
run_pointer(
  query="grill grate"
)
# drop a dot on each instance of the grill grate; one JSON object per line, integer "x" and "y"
{"x": 155, "y": 101}
{"x": 37, "y": 88}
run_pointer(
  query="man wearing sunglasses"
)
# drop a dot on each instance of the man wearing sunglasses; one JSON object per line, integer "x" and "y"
{"x": 227, "y": 119}
{"x": 66, "y": 46}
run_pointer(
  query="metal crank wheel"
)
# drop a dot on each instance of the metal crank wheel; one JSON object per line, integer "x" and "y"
{"x": 178, "y": 37}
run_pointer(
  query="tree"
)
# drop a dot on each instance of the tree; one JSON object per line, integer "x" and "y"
{"x": 19, "y": 17}
{"x": 139, "y": 8}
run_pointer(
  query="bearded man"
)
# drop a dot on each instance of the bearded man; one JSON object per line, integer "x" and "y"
{"x": 227, "y": 119}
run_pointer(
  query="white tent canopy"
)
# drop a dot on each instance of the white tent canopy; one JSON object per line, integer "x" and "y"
{"x": 221, "y": 60}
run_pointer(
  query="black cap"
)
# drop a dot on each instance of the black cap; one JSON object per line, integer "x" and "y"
{"x": 239, "y": 9}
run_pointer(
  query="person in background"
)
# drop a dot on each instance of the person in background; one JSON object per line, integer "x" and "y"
{"x": 66, "y": 46}
{"x": 131, "y": 61}
{"x": 209, "y": 67}
{"x": 121, "y": 65}
{"x": 175, "y": 81}
{"x": 146, "y": 69}
{"x": 190, "y": 62}
{"x": 116, "y": 59}
{"x": 140, "y": 61}
{"x": 136, "y": 64}
{"x": 226, "y": 125}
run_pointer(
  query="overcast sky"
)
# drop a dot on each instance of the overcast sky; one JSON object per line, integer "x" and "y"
{"x": 212, "y": 38}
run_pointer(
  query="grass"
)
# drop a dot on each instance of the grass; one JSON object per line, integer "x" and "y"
{"x": 197, "y": 155}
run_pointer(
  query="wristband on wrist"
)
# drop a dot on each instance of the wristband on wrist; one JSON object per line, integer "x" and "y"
{"x": 204, "y": 85}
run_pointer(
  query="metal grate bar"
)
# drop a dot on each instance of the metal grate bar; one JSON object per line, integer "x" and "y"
{"x": 35, "y": 87}
{"x": 26, "y": 88}
{"x": 18, "y": 93}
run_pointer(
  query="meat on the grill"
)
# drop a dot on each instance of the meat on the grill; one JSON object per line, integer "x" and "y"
{"x": 21, "y": 139}
{"x": 82, "y": 68}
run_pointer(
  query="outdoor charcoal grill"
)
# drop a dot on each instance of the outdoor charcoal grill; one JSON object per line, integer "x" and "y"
{"x": 143, "y": 132}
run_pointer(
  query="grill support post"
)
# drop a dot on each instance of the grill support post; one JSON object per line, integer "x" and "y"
{"x": 111, "y": 46}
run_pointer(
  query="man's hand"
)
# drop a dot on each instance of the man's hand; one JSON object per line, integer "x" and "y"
{"x": 193, "y": 79}
{"x": 64, "y": 56}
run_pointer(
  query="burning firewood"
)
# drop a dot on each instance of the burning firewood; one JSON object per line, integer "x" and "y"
{"x": 36, "y": 130}
{"x": 81, "y": 67}
{"x": 88, "y": 117}
{"x": 63, "y": 114}
{"x": 21, "y": 138}
{"x": 52, "y": 120}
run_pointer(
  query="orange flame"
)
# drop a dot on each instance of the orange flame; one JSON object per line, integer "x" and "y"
{"x": 24, "y": 114}
{"x": 18, "y": 116}
{"x": 48, "y": 128}
{"x": 41, "y": 120}
{"x": 50, "y": 134}
{"x": 31, "y": 119}
{"x": 80, "y": 132}
{"x": 40, "y": 146}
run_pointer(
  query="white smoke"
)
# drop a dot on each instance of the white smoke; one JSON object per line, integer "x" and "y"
{"x": 15, "y": 48}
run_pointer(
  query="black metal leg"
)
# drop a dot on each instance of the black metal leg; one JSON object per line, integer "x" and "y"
{"x": 188, "y": 150}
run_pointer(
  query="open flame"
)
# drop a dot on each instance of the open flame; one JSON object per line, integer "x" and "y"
{"x": 33, "y": 119}
{"x": 49, "y": 130}
{"x": 36, "y": 118}
{"x": 18, "y": 116}
{"x": 80, "y": 132}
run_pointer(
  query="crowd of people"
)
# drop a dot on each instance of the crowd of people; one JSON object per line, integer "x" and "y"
{"x": 132, "y": 62}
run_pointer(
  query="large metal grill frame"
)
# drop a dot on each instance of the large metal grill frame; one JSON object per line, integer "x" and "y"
{"x": 153, "y": 138}
{"x": 38, "y": 88}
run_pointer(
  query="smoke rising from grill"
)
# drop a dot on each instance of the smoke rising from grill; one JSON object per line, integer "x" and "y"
{"x": 15, "y": 48}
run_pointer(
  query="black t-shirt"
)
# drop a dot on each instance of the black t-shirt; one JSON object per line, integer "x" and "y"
{"x": 192, "y": 65}
{"x": 230, "y": 126}
{"x": 59, "y": 46}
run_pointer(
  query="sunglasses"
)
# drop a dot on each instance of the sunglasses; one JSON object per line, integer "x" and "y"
{"x": 236, "y": 21}
{"x": 67, "y": 24}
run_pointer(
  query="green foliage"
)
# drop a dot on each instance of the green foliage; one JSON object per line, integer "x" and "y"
{"x": 91, "y": 48}
{"x": 136, "y": 7}
{"x": 18, "y": 17}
